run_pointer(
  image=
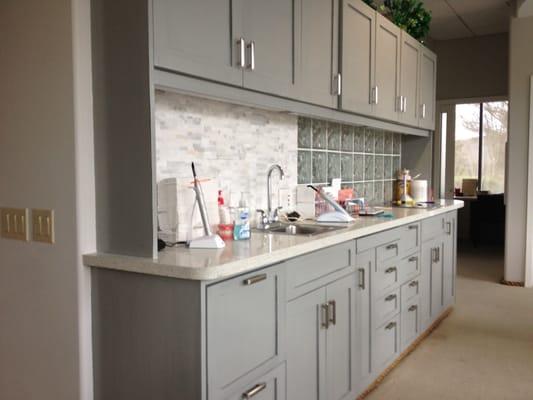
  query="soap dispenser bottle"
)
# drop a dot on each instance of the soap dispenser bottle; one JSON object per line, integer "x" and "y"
{"x": 241, "y": 226}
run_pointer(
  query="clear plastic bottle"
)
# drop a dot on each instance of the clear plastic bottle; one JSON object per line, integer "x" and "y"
{"x": 241, "y": 226}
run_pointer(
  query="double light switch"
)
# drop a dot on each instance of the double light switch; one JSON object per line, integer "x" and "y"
{"x": 14, "y": 224}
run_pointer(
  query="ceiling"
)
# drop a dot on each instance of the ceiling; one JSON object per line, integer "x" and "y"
{"x": 454, "y": 19}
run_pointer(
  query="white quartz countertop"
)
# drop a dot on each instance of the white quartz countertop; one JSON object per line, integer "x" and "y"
{"x": 261, "y": 250}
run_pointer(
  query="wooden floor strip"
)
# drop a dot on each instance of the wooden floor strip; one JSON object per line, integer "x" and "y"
{"x": 406, "y": 352}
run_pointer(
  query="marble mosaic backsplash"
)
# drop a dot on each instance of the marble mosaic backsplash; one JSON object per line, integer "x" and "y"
{"x": 364, "y": 158}
{"x": 233, "y": 144}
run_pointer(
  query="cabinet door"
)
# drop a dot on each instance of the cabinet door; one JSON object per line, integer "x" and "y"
{"x": 365, "y": 264}
{"x": 358, "y": 56}
{"x": 387, "y": 69}
{"x": 409, "y": 71}
{"x": 448, "y": 260}
{"x": 267, "y": 27}
{"x": 195, "y": 38}
{"x": 424, "y": 282}
{"x": 431, "y": 279}
{"x": 306, "y": 347}
{"x": 428, "y": 85}
{"x": 340, "y": 341}
{"x": 316, "y": 48}
{"x": 245, "y": 322}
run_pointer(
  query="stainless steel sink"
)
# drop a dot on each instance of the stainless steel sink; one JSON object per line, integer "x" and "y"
{"x": 302, "y": 229}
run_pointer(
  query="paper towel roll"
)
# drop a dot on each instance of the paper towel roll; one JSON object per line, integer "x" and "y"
{"x": 419, "y": 190}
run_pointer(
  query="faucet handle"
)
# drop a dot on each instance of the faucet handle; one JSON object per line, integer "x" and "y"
{"x": 275, "y": 214}
{"x": 263, "y": 220}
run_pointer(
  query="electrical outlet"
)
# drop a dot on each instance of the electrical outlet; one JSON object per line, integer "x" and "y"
{"x": 285, "y": 198}
{"x": 14, "y": 223}
{"x": 43, "y": 226}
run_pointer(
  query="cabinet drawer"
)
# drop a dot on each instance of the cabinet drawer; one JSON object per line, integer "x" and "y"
{"x": 410, "y": 290}
{"x": 387, "y": 251}
{"x": 410, "y": 238}
{"x": 409, "y": 267}
{"x": 386, "y": 307}
{"x": 316, "y": 269}
{"x": 410, "y": 322}
{"x": 270, "y": 386}
{"x": 244, "y": 322}
{"x": 378, "y": 239}
{"x": 385, "y": 278}
{"x": 386, "y": 344}
{"x": 432, "y": 227}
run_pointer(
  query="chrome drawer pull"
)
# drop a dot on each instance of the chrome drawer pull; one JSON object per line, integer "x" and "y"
{"x": 390, "y": 297}
{"x": 324, "y": 315}
{"x": 413, "y": 308}
{"x": 242, "y": 54}
{"x": 390, "y": 325}
{"x": 362, "y": 278}
{"x": 413, "y": 284}
{"x": 449, "y": 228}
{"x": 392, "y": 246}
{"x": 251, "y": 48}
{"x": 332, "y": 312}
{"x": 254, "y": 279}
{"x": 255, "y": 390}
{"x": 413, "y": 259}
{"x": 390, "y": 270}
{"x": 413, "y": 226}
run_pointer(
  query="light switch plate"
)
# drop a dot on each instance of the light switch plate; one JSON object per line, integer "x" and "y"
{"x": 14, "y": 223}
{"x": 42, "y": 225}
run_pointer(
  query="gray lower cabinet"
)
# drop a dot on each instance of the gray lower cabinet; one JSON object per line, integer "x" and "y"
{"x": 432, "y": 278}
{"x": 320, "y": 343}
{"x": 358, "y": 57}
{"x": 183, "y": 44}
{"x": 449, "y": 262}
{"x": 363, "y": 368}
{"x": 316, "y": 51}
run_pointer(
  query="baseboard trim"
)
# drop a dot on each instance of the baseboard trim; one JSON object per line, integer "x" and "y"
{"x": 511, "y": 283}
{"x": 405, "y": 353}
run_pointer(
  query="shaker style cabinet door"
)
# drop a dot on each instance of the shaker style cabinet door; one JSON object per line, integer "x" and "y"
{"x": 364, "y": 264}
{"x": 267, "y": 27}
{"x": 358, "y": 57}
{"x": 448, "y": 260}
{"x": 195, "y": 38}
{"x": 428, "y": 85}
{"x": 316, "y": 51}
{"x": 388, "y": 45}
{"x": 409, "y": 72}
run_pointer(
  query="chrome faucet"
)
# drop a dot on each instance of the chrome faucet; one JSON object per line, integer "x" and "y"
{"x": 271, "y": 215}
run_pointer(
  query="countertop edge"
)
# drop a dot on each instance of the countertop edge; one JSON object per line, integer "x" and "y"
{"x": 209, "y": 273}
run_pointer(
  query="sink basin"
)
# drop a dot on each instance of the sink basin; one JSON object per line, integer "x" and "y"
{"x": 301, "y": 229}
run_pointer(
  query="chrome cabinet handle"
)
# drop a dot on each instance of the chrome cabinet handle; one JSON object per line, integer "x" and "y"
{"x": 391, "y": 246}
{"x": 413, "y": 284}
{"x": 413, "y": 226}
{"x": 423, "y": 111}
{"x": 251, "y": 48}
{"x": 332, "y": 312}
{"x": 413, "y": 259}
{"x": 412, "y": 308}
{"x": 390, "y": 297}
{"x": 242, "y": 52}
{"x": 362, "y": 284}
{"x": 390, "y": 325}
{"x": 374, "y": 95}
{"x": 405, "y": 104}
{"x": 449, "y": 228}
{"x": 338, "y": 80}
{"x": 255, "y": 390}
{"x": 399, "y": 104}
{"x": 324, "y": 310}
{"x": 390, "y": 270}
{"x": 438, "y": 254}
{"x": 254, "y": 279}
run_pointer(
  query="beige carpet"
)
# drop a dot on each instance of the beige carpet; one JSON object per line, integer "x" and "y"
{"x": 483, "y": 350}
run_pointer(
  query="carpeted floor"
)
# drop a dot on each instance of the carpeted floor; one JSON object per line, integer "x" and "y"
{"x": 483, "y": 350}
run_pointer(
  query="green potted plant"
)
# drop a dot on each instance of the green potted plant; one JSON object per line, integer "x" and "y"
{"x": 410, "y": 15}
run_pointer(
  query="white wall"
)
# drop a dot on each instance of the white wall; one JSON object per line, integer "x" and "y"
{"x": 41, "y": 118}
{"x": 472, "y": 67}
{"x": 521, "y": 68}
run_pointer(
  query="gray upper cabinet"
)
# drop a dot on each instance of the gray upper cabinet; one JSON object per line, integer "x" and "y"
{"x": 316, "y": 48}
{"x": 358, "y": 56}
{"x": 388, "y": 44}
{"x": 195, "y": 38}
{"x": 267, "y": 27}
{"x": 428, "y": 89}
{"x": 409, "y": 73}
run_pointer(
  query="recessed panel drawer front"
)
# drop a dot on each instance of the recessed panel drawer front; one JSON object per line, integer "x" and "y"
{"x": 244, "y": 327}
{"x": 410, "y": 238}
{"x": 386, "y": 307}
{"x": 432, "y": 227}
{"x": 386, "y": 277}
{"x": 270, "y": 386}
{"x": 409, "y": 267}
{"x": 388, "y": 251}
{"x": 304, "y": 271}
{"x": 378, "y": 239}
{"x": 410, "y": 318}
{"x": 410, "y": 290}
{"x": 386, "y": 344}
